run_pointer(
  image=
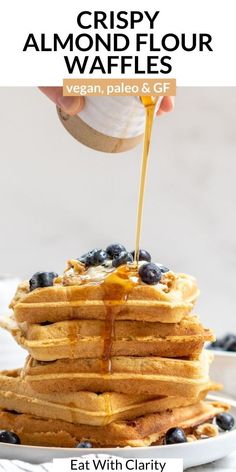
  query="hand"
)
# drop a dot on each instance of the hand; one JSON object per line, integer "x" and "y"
{"x": 73, "y": 105}
{"x": 166, "y": 106}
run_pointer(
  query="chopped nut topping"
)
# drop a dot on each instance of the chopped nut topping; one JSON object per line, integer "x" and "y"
{"x": 206, "y": 430}
{"x": 168, "y": 279}
{"x": 71, "y": 279}
{"x": 78, "y": 267}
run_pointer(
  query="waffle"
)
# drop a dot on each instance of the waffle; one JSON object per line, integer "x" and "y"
{"x": 73, "y": 297}
{"x": 85, "y": 338}
{"x": 144, "y": 431}
{"x": 112, "y": 360}
{"x": 84, "y": 407}
{"x": 142, "y": 375}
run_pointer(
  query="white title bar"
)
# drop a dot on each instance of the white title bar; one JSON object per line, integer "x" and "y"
{"x": 42, "y": 42}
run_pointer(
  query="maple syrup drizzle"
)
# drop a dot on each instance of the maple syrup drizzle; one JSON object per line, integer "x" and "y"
{"x": 116, "y": 289}
{"x": 118, "y": 284}
{"x": 149, "y": 103}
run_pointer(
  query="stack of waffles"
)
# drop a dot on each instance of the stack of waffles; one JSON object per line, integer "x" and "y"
{"x": 112, "y": 361}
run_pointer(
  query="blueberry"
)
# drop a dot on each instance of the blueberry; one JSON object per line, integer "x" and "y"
{"x": 114, "y": 250}
{"x": 163, "y": 268}
{"x": 225, "y": 421}
{"x": 94, "y": 257}
{"x": 123, "y": 258}
{"x": 232, "y": 347}
{"x": 85, "y": 445}
{"x": 220, "y": 342}
{"x": 215, "y": 345}
{"x": 229, "y": 343}
{"x": 42, "y": 279}
{"x": 9, "y": 437}
{"x": 143, "y": 255}
{"x": 89, "y": 258}
{"x": 150, "y": 273}
{"x": 175, "y": 436}
{"x": 100, "y": 256}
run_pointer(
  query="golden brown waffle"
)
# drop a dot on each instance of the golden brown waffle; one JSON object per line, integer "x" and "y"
{"x": 112, "y": 360}
{"x": 74, "y": 298}
{"x": 84, "y": 338}
{"x": 84, "y": 407}
{"x": 144, "y": 431}
{"x": 142, "y": 375}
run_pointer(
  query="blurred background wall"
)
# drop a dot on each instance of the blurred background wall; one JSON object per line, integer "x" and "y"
{"x": 59, "y": 199}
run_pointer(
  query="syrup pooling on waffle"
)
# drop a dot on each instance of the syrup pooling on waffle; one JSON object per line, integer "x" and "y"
{"x": 142, "y": 375}
{"x": 114, "y": 286}
{"x": 85, "y": 338}
{"x": 79, "y": 293}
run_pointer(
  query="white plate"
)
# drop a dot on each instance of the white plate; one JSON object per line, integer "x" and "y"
{"x": 193, "y": 454}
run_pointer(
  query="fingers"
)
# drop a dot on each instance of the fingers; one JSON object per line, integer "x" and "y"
{"x": 166, "y": 106}
{"x": 71, "y": 105}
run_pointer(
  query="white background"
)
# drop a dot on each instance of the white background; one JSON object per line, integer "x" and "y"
{"x": 19, "y": 18}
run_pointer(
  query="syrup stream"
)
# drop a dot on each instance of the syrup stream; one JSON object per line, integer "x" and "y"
{"x": 118, "y": 285}
{"x": 149, "y": 104}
